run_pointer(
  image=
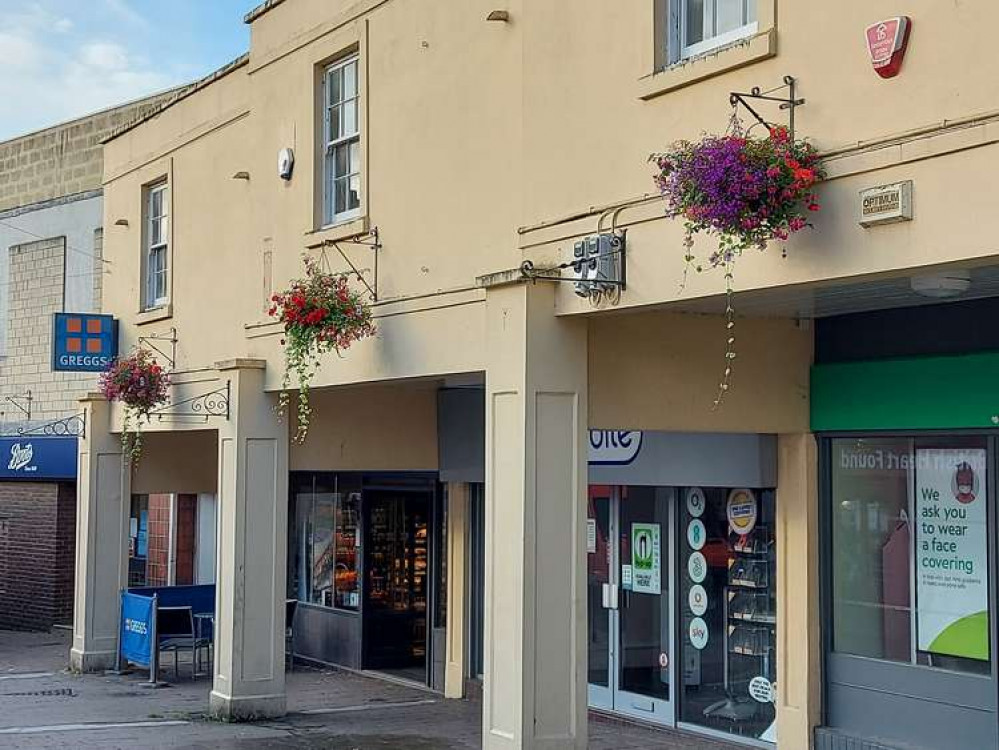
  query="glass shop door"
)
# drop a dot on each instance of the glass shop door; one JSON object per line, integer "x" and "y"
{"x": 631, "y": 668}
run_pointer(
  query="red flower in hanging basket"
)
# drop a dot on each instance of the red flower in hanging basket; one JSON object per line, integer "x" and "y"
{"x": 137, "y": 381}
{"x": 140, "y": 384}
{"x": 746, "y": 191}
{"x": 320, "y": 313}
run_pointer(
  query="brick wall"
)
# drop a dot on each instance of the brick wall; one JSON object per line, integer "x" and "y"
{"x": 37, "y": 548}
{"x": 36, "y": 292}
{"x": 64, "y": 592}
{"x": 158, "y": 549}
{"x": 66, "y": 159}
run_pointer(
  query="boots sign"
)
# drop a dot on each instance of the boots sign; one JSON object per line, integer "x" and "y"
{"x": 38, "y": 458}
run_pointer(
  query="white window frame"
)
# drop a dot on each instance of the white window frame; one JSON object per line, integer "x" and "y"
{"x": 677, "y": 47}
{"x": 154, "y": 296}
{"x": 330, "y": 216}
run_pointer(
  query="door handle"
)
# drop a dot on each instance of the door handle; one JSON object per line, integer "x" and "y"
{"x": 609, "y": 595}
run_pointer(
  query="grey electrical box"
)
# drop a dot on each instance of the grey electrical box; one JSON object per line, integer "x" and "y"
{"x": 598, "y": 263}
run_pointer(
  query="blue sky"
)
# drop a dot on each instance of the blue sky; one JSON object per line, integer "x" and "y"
{"x": 60, "y": 59}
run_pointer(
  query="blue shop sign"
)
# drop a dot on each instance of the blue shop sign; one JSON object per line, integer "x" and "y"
{"x": 82, "y": 342}
{"x": 38, "y": 458}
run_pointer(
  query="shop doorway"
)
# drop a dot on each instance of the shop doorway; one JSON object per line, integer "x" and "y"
{"x": 630, "y": 620}
{"x": 397, "y": 525}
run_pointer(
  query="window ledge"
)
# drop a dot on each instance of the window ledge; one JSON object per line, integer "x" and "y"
{"x": 336, "y": 232}
{"x": 154, "y": 314}
{"x": 730, "y": 57}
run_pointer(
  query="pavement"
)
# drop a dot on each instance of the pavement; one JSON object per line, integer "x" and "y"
{"x": 42, "y": 705}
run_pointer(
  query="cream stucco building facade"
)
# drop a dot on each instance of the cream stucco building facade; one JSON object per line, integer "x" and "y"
{"x": 479, "y": 144}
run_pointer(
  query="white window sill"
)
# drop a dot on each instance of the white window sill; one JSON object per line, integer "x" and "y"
{"x": 715, "y": 62}
{"x": 336, "y": 232}
{"x": 154, "y": 314}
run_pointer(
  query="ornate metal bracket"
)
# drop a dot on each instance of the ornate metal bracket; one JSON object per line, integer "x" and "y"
{"x": 789, "y": 103}
{"x": 203, "y": 407}
{"x": 167, "y": 338}
{"x": 73, "y": 426}
{"x": 368, "y": 239}
{"x": 22, "y": 403}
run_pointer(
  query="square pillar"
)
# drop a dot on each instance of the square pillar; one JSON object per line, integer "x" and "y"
{"x": 799, "y": 647}
{"x": 534, "y": 692}
{"x": 103, "y": 489}
{"x": 252, "y": 538}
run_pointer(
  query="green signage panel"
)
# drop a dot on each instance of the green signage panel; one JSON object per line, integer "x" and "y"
{"x": 907, "y": 394}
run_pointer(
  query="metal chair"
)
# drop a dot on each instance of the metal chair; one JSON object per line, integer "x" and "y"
{"x": 175, "y": 631}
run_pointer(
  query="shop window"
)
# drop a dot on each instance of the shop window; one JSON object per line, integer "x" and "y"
{"x": 326, "y": 545}
{"x": 138, "y": 540}
{"x": 729, "y": 610}
{"x": 909, "y": 552}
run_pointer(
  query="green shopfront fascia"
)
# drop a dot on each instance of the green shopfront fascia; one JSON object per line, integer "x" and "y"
{"x": 909, "y": 455}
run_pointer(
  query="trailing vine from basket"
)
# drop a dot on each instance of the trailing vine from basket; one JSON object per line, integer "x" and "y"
{"x": 745, "y": 191}
{"x": 140, "y": 384}
{"x": 320, "y": 314}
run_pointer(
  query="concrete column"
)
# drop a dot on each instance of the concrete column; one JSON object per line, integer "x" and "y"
{"x": 252, "y": 534}
{"x": 799, "y": 651}
{"x": 534, "y": 693}
{"x": 102, "y": 510}
{"x": 457, "y": 590}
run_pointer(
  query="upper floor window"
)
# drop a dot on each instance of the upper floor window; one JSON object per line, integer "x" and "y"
{"x": 342, "y": 142}
{"x": 157, "y": 250}
{"x": 708, "y": 24}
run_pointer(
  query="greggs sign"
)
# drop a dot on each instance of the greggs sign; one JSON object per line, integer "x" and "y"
{"x": 83, "y": 342}
{"x": 886, "y": 43}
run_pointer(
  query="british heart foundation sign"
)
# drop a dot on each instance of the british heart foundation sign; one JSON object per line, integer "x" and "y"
{"x": 886, "y": 41}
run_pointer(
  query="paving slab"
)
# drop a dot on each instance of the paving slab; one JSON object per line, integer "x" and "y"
{"x": 43, "y": 706}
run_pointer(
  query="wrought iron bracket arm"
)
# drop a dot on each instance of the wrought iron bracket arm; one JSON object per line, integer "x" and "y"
{"x": 370, "y": 239}
{"x": 789, "y": 102}
{"x": 71, "y": 426}
{"x": 214, "y": 403}
{"x": 167, "y": 339}
{"x": 21, "y": 402}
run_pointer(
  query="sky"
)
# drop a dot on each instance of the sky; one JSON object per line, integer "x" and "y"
{"x": 61, "y": 59}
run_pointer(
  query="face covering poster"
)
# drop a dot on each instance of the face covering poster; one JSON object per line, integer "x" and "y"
{"x": 952, "y": 552}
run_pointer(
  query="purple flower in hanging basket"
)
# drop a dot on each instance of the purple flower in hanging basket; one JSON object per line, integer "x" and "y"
{"x": 747, "y": 191}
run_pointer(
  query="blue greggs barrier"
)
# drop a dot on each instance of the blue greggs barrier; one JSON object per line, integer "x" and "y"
{"x": 139, "y": 618}
{"x": 138, "y": 621}
{"x": 200, "y": 598}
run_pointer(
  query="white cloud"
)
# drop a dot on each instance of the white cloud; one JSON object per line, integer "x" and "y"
{"x": 52, "y": 77}
{"x": 104, "y": 56}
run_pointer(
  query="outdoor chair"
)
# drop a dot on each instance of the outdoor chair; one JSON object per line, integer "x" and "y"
{"x": 175, "y": 631}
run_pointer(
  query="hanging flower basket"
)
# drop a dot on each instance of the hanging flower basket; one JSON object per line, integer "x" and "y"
{"x": 140, "y": 384}
{"x": 320, "y": 314}
{"x": 745, "y": 191}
